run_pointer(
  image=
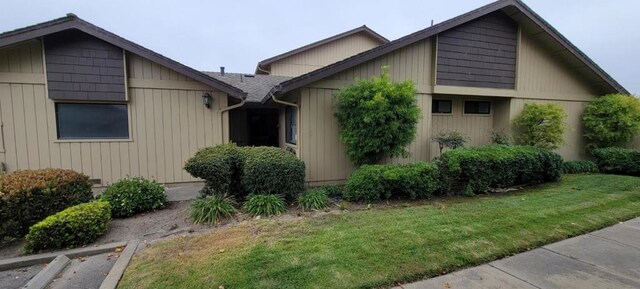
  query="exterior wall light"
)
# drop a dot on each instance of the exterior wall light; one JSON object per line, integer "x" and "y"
{"x": 207, "y": 100}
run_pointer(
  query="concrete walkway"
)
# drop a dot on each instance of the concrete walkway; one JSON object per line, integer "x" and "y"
{"x": 609, "y": 258}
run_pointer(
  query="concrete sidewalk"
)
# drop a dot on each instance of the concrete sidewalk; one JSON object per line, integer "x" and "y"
{"x": 609, "y": 258}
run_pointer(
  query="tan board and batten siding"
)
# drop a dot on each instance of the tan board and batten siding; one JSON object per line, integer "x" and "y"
{"x": 541, "y": 78}
{"x": 312, "y": 59}
{"x": 168, "y": 122}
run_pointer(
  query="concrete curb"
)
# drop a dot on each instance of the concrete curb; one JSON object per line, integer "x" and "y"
{"x": 13, "y": 263}
{"x": 44, "y": 277}
{"x": 116, "y": 272}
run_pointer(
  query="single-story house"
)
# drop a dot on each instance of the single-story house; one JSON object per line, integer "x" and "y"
{"x": 73, "y": 95}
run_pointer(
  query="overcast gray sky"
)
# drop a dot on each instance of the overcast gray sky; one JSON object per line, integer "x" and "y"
{"x": 237, "y": 34}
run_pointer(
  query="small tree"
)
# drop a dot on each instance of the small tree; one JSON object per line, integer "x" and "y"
{"x": 452, "y": 140}
{"x": 377, "y": 118}
{"x": 540, "y": 125}
{"x": 611, "y": 120}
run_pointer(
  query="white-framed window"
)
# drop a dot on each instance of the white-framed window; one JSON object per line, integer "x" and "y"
{"x": 92, "y": 120}
{"x": 477, "y": 107}
{"x": 291, "y": 125}
{"x": 443, "y": 106}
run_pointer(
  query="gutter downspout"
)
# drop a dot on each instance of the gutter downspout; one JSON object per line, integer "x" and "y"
{"x": 298, "y": 145}
{"x": 225, "y": 109}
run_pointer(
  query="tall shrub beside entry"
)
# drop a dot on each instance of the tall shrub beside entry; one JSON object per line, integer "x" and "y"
{"x": 611, "y": 120}
{"x": 618, "y": 161}
{"x": 72, "y": 227}
{"x": 271, "y": 170}
{"x": 377, "y": 118}
{"x": 130, "y": 196}
{"x": 475, "y": 170}
{"x": 540, "y": 125}
{"x": 27, "y": 197}
{"x": 375, "y": 182}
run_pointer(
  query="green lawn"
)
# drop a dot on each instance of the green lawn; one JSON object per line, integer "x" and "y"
{"x": 378, "y": 248}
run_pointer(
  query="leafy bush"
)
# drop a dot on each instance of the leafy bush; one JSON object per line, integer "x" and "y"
{"x": 72, "y": 227}
{"x": 211, "y": 209}
{"x": 618, "y": 161}
{"x": 271, "y": 170}
{"x": 375, "y": 182}
{"x": 475, "y": 170}
{"x": 452, "y": 140}
{"x": 134, "y": 195}
{"x": 540, "y": 125}
{"x": 611, "y": 120}
{"x": 240, "y": 171}
{"x": 265, "y": 205}
{"x": 500, "y": 138}
{"x": 27, "y": 197}
{"x": 333, "y": 191}
{"x": 220, "y": 166}
{"x": 313, "y": 199}
{"x": 577, "y": 167}
{"x": 377, "y": 118}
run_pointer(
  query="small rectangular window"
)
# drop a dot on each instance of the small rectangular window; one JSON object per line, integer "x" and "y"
{"x": 477, "y": 107}
{"x": 291, "y": 125}
{"x": 92, "y": 121}
{"x": 441, "y": 106}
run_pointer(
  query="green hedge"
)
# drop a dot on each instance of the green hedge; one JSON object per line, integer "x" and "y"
{"x": 619, "y": 161}
{"x": 475, "y": 170}
{"x": 72, "y": 227}
{"x": 27, "y": 197}
{"x": 134, "y": 195}
{"x": 375, "y": 182}
{"x": 240, "y": 171}
{"x": 579, "y": 167}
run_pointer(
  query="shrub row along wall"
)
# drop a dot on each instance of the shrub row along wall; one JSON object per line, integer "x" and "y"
{"x": 240, "y": 171}
{"x": 464, "y": 170}
{"x": 475, "y": 170}
{"x": 618, "y": 161}
{"x": 27, "y": 197}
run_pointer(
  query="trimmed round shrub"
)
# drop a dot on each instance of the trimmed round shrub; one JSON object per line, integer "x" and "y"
{"x": 75, "y": 226}
{"x": 618, "y": 161}
{"x": 134, "y": 195}
{"x": 265, "y": 205}
{"x": 579, "y": 167}
{"x": 240, "y": 171}
{"x": 377, "y": 117}
{"x": 313, "y": 199}
{"x": 475, "y": 170}
{"x": 372, "y": 183}
{"x": 27, "y": 197}
{"x": 221, "y": 168}
{"x": 272, "y": 171}
{"x": 212, "y": 208}
{"x": 611, "y": 120}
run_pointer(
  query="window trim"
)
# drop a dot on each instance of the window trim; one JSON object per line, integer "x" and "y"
{"x": 464, "y": 106}
{"x": 286, "y": 126}
{"x": 442, "y": 113}
{"x": 92, "y": 140}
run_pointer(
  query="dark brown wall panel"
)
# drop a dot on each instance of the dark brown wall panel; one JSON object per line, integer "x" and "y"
{"x": 481, "y": 53}
{"x": 82, "y": 67}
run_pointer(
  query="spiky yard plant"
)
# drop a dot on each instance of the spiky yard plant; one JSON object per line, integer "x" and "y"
{"x": 265, "y": 205}
{"x": 313, "y": 199}
{"x": 211, "y": 209}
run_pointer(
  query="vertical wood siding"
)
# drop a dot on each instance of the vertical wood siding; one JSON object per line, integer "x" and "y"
{"x": 317, "y": 57}
{"x": 542, "y": 75}
{"x": 167, "y": 127}
{"x": 23, "y": 58}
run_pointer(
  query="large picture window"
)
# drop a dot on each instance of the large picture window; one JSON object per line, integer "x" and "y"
{"x": 291, "y": 125}
{"x": 477, "y": 107}
{"x": 92, "y": 121}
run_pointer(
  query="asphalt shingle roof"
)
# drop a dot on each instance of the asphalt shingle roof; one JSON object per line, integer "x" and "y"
{"x": 256, "y": 86}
